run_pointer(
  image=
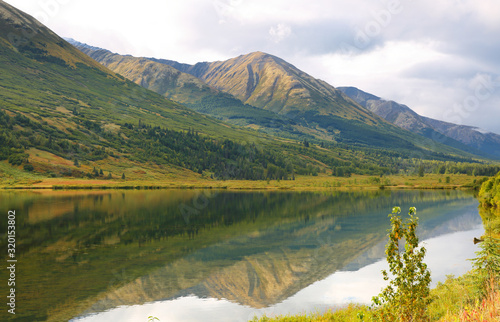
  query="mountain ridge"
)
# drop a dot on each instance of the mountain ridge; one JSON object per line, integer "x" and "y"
{"x": 269, "y": 82}
{"x": 188, "y": 90}
{"x": 485, "y": 144}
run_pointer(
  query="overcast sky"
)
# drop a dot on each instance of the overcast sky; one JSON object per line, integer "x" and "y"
{"x": 441, "y": 58}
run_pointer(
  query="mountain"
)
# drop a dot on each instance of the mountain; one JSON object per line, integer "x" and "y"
{"x": 190, "y": 91}
{"x": 64, "y": 114}
{"x": 467, "y": 138}
{"x": 210, "y": 98}
{"x": 308, "y": 106}
{"x": 487, "y": 142}
{"x": 270, "y": 83}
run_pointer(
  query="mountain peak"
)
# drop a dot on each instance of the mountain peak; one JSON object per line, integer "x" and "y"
{"x": 258, "y": 55}
{"x": 83, "y": 45}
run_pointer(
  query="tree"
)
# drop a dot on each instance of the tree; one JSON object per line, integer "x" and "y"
{"x": 421, "y": 171}
{"x": 407, "y": 295}
{"x": 487, "y": 265}
{"x": 123, "y": 176}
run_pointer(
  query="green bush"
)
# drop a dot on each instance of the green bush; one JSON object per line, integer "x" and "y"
{"x": 407, "y": 296}
{"x": 18, "y": 158}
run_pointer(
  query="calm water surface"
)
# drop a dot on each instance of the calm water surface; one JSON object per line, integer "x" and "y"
{"x": 217, "y": 255}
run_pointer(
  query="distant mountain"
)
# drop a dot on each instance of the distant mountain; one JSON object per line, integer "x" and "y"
{"x": 487, "y": 142}
{"x": 310, "y": 106}
{"x": 270, "y": 83}
{"x": 467, "y": 138}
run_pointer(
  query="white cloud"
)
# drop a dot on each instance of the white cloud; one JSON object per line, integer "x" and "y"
{"x": 280, "y": 32}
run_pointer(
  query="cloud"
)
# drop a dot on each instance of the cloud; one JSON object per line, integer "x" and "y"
{"x": 280, "y": 32}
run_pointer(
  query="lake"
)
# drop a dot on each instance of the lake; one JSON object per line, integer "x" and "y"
{"x": 189, "y": 255}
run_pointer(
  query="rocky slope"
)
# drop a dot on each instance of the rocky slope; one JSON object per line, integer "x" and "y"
{"x": 467, "y": 138}
{"x": 269, "y": 82}
{"x": 189, "y": 90}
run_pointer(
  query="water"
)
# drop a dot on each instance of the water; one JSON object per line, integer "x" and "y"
{"x": 186, "y": 255}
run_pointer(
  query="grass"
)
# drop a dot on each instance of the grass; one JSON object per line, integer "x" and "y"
{"x": 353, "y": 312}
{"x": 158, "y": 176}
{"x": 454, "y": 300}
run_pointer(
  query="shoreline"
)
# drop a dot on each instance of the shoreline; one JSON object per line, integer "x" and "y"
{"x": 302, "y": 183}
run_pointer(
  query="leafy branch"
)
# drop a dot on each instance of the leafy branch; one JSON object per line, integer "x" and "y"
{"x": 407, "y": 296}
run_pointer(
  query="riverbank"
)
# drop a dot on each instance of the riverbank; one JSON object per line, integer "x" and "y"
{"x": 453, "y": 300}
{"x": 301, "y": 183}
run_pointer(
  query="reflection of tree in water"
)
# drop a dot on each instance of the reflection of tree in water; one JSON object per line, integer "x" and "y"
{"x": 97, "y": 218}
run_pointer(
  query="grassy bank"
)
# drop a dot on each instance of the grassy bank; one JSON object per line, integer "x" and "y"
{"x": 159, "y": 178}
{"x": 453, "y": 300}
{"x": 489, "y": 197}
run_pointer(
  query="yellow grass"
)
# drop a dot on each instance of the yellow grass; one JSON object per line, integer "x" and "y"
{"x": 159, "y": 177}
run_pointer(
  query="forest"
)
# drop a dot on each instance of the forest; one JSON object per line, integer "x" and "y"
{"x": 219, "y": 158}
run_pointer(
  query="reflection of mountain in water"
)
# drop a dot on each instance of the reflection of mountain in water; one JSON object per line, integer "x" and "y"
{"x": 131, "y": 247}
{"x": 461, "y": 217}
{"x": 268, "y": 266}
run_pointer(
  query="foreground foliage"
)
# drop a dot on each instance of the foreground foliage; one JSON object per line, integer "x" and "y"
{"x": 490, "y": 193}
{"x": 407, "y": 295}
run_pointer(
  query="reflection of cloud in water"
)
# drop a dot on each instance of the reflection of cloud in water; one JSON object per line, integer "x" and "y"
{"x": 447, "y": 254}
{"x": 462, "y": 219}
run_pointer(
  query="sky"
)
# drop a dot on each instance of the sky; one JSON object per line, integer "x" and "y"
{"x": 441, "y": 58}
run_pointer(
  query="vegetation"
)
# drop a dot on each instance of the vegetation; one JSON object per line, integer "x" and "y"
{"x": 407, "y": 295}
{"x": 490, "y": 193}
{"x": 489, "y": 197}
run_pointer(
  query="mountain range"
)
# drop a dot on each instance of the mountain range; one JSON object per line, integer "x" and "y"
{"x": 310, "y": 106}
{"x": 66, "y": 112}
{"x": 401, "y": 115}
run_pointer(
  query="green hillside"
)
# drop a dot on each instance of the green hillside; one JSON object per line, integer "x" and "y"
{"x": 56, "y": 99}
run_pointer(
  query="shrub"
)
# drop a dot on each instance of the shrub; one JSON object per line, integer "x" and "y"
{"x": 407, "y": 296}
